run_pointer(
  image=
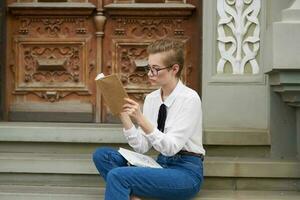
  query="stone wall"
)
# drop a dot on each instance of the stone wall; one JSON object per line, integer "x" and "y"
{"x": 235, "y": 93}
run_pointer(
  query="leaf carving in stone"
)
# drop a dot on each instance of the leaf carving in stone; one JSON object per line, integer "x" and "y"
{"x": 238, "y": 44}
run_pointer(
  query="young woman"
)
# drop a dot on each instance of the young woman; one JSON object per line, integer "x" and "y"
{"x": 171, "y": 123}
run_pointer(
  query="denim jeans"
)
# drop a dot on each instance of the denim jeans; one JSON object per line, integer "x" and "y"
{"x": 179, "y": 179}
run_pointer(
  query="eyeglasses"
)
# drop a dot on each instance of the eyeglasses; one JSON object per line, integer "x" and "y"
{"x": 155, "y": 69}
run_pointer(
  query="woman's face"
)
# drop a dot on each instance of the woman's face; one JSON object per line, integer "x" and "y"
{"x": 161, "y": 77}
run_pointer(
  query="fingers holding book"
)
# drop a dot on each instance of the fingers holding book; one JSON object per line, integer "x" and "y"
{"x": 132, "y": 108}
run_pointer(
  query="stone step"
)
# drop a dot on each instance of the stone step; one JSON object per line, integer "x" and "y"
{"x": 12, "y": 192}
{"x": 111, "y": 133}
{"x": 94, "y": 180}
{"x": 84, "y": 138}
{"x": 82, "y": 164}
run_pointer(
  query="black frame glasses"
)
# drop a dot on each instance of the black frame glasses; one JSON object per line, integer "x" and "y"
{"x": 155, "y": 69}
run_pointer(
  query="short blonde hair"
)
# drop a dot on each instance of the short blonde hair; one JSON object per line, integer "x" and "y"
{"x": 173, "y": 50}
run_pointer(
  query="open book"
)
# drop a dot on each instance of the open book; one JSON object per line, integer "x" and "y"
{"x": 112, "y": 91}
{"x": 137, "y": 159}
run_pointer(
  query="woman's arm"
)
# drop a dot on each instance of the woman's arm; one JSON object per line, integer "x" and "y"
{"x": 134, "y": 136}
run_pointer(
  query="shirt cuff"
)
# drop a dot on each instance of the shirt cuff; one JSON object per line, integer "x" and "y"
{"x": 129, "y": 132}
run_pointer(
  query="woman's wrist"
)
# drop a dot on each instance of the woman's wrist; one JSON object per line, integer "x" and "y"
{"x": 145, "y": 124}
{"x": 126, "y": 121}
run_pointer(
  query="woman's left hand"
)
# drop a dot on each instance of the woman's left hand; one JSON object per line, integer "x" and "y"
{"x": 132, "y": 108}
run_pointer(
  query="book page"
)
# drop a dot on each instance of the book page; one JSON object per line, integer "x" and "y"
{"x": 137, "y": 159}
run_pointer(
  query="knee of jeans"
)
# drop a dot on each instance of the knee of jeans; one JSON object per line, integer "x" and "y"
{"x": 115, "y": 175}
{"x": 100, "y": 153}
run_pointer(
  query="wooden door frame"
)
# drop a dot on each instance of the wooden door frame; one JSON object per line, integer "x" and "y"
{"x": 2, "y": 58}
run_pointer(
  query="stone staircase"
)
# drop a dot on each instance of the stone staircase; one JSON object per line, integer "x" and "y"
{"x": 43, "y": 161}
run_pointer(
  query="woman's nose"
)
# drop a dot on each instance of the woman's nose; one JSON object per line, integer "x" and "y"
{"x": 150, "y": 73}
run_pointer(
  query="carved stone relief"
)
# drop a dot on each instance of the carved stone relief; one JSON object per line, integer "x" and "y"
{"x": 238, "y": 35}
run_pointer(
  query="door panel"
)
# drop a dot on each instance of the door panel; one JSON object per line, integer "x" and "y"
{"x": 51, "y": 62}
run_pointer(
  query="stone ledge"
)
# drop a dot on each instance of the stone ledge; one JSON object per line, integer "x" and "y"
{"x": 112, "y": 133}
{"x": 82, "y": 164}
{"x": 286, "y": 81}
{"x": 236, "y": 137}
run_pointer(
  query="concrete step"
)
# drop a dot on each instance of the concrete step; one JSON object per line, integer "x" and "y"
{"x": 111, "y": 133}
{"x": 77, "y": 170}
{"x": 82, "y": 164}
{"x": 11, "y": 192}
{"x": 84, "y": 137}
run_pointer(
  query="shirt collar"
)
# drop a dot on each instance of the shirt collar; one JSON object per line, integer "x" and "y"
{"x": 171, "y": 98}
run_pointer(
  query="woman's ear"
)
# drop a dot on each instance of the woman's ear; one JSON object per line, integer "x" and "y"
{"x": 175, "y": 68}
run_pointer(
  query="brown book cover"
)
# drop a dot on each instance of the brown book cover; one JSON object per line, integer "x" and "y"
{"x": 112, "y": 91}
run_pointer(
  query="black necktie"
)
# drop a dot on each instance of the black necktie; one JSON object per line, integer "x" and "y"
{"x": 162, "y": 116}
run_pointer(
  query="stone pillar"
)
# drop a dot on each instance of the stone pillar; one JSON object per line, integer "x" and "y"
{"x": 286, "y": 39}
{"x": 285, "y": 80}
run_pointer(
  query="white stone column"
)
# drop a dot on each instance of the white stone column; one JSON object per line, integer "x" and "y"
{"x": 286, "y": 39}
{"x": 285, "y": 75}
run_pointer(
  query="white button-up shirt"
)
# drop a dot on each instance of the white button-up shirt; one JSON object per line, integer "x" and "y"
{"x": 183, "y": 127}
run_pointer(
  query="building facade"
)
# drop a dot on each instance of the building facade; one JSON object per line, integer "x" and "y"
{"x": 241, "y": 57}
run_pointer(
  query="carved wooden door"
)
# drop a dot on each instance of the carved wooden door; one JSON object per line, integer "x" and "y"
{"x": 56, "y": 48}
{"x": 50, "y": 61}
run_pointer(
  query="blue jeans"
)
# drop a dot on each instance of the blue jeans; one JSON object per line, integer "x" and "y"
{"x": 179, "y": 179}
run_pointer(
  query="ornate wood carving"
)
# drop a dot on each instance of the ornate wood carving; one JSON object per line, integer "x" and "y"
{"x": 52, "y": 26}
{"x": 52, "y": 56}
{"x": 149, "y": 27}
{"x": 53, "y": 64}
{"x": 131, "y": 73}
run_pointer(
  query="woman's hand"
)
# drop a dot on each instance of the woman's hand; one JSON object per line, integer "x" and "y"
{"x": 132, "y": 108}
